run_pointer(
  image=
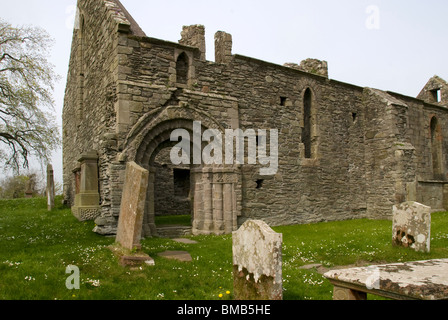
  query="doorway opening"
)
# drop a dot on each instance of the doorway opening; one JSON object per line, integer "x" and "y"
{"x": 172, "y": 196}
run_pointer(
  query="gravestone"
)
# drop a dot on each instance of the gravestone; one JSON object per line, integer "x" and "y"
{"x": 412, "y": 226}
{"x": 50, "y": 187}
{"x": 257, "y": 262}
{"x": 132, "y": 207}
{"x": 29, "y": 190}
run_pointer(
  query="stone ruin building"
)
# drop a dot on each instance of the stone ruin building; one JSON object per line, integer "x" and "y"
{"x": 344, "y": 151}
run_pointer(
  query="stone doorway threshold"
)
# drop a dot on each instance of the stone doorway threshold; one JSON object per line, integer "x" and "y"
{"x": 173, "y": 231}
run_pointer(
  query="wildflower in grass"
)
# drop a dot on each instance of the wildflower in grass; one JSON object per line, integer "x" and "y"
{"x": 12, "y": 264}
{"x": 220, "y": 295}
{"x": 94, "y": 283}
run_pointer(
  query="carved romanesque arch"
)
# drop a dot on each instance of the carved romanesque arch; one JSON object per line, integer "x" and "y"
{"x": 213, "y": 198}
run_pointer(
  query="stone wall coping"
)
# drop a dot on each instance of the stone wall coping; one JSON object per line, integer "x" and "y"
{"x": 433, "y": 181}
{"x": 92, "y": 155}
{"x": 162, "y": 42}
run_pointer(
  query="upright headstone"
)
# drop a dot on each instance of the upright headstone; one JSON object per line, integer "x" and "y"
{"x": 29, "y": 190}
{"x": 50, "y": 187}
{"x": 87, "y": 200}
{"x": 257, "y": 262}
{"x": 412, "y": 226}
{"x": 132, "y": 207}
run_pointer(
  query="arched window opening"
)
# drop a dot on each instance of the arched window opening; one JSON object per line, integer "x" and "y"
{"x": 182, "y": 67}
{"x": 306, "y": 133}
{"x": 436, "y": 149}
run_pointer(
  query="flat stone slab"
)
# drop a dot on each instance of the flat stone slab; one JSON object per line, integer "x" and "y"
{"x": 185, "y": 241}
{"x": 182, "y": 256}
{"x": 420, "y": 280}
{"x": 311, "y": 266}
{"x": 132, "y": 261}
{"x": 317, "y": 266}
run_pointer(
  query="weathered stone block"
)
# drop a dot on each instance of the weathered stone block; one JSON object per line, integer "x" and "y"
{"x": 257, "y": 262}
{"x": 132, "y": 206}
{"x": 412, "y": 226}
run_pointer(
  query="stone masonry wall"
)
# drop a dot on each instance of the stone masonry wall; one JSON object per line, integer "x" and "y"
{"x": 369, "y": 149}
{"x": 330, "y": 186}
{"x": 430, "y": 185}
{"x": 91, "y": 92}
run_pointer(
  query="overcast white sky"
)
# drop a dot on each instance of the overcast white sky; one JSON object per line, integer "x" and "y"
{"x": 392, "y": 45}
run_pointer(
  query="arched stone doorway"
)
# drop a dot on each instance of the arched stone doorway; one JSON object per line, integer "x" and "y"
{"x": 213, "y": 188}
{"x": 171, "y": 196}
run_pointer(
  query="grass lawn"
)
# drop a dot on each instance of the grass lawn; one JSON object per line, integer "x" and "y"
{"x": 36, "y": 246}
{"x": 183, "y": 220}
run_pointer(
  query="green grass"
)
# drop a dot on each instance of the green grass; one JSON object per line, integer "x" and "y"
{"x": 357, "y": 242}
{"x": 36, "y": 246}
{"x": 183, "y": 220}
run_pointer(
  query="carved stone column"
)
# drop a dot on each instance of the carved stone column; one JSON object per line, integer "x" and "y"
{"x": 215, "y": 201}
{"x": 207, "y": 200}
{"x": 218, "y": 218}
{"x": 198, "y": 208}
{"x": 229, "y": 208}
{"x": 149, "y": 223}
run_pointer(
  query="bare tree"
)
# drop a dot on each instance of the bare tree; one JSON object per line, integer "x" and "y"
{"x": 27, "y": 124}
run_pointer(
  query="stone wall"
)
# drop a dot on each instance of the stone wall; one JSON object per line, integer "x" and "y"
{"x": 172, "y": 195}
{"x": 429, "y": 185}
{"x": 89, "y": 117}
{"x": 358, "y": 152}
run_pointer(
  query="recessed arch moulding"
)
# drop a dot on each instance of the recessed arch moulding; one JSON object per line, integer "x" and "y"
{"x": 214, "y": 188}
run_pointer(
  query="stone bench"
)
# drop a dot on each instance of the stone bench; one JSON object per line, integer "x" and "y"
{"x": 421, "y": 280}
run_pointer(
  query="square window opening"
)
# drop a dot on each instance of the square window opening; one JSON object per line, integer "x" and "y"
{"x": 283, "y": 101}
{"x": 437, "y": 95}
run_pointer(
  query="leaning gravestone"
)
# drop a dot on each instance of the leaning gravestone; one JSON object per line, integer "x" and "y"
{"x": 412, "y": 226}
{"x": 132, "y": 207}
{"x": 257, "y": 262}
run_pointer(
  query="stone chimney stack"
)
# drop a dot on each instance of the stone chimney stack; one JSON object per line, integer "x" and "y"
{"x": 194, "y": 36}
{"x": 223, "y": 47}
